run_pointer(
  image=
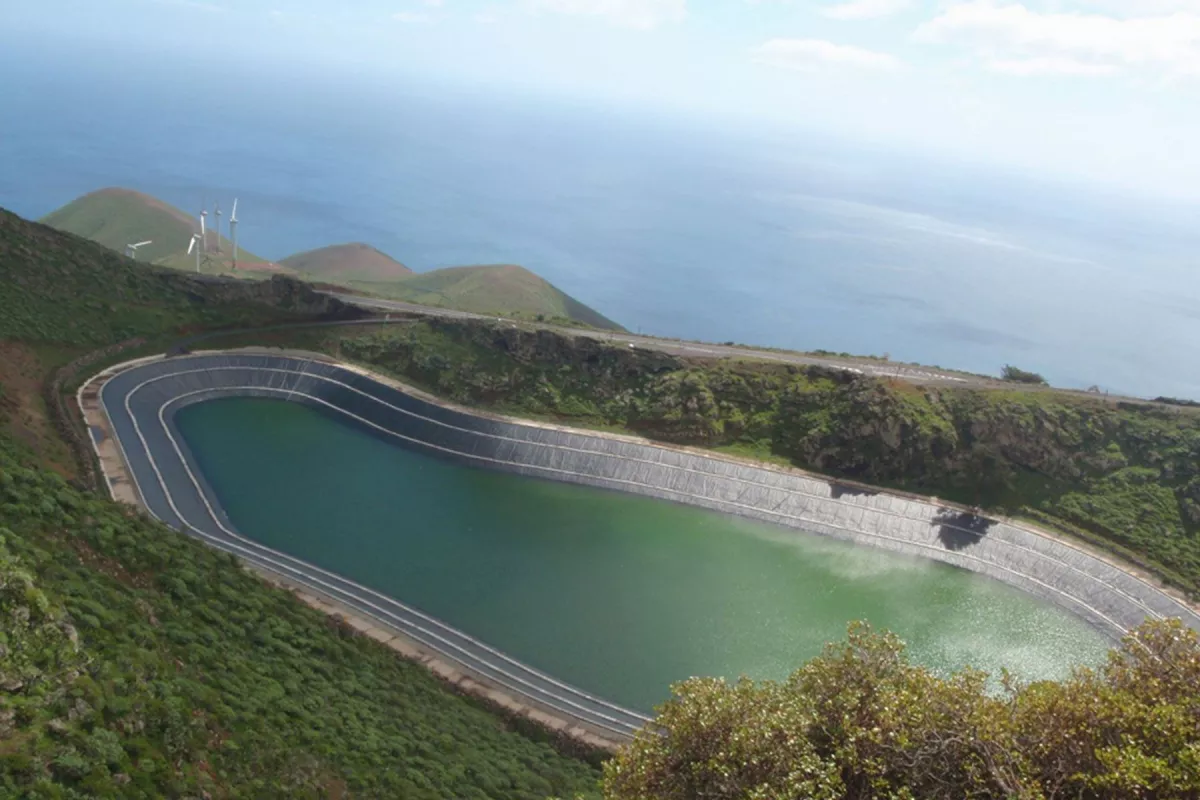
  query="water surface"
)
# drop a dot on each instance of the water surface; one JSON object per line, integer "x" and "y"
{"x": 616, "y": 594}
{"x": 677, "y": 226}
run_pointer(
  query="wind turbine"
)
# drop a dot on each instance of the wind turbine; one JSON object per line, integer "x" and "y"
{"x": 131, "y": 249}
{"x": 233, "y": 231}
{"x": 203, "y": 232}
{"x": 217, "y": 216}
{"x": 192, "y": 246}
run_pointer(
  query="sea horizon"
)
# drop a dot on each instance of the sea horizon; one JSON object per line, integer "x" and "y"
{"x": 668, "y": 225}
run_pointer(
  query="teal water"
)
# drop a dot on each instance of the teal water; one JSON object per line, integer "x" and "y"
{"x": 616, "y": 594}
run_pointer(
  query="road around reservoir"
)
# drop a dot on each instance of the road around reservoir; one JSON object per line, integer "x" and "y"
{"x": 132, "y": 407}
{"x": 130, "y": 410}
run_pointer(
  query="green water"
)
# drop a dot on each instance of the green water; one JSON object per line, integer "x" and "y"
{"x": 616, "y": 594}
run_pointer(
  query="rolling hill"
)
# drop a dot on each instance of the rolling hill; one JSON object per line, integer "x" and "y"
{"x": 341, "y": 262}
{"x": 489, "y": 289}
{"x": 116, "y": 217}
{"x": 137, "y": 662}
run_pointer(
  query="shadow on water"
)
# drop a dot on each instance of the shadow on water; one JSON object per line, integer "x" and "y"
{"x": 837, "y": 491}
{"x": 959, "y": 530}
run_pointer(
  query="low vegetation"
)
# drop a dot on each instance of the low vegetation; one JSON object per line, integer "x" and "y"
{"x": 1017, "y": 375}
{"x": 339, "y": 263}
{"x": 62, "y": 290}
{"x": 504, "y": 289}
{"x": 1176, "y": 401}
{"x": 135, "y": 662}
{"x": 859, "y": 722}
{"x": 116, "y": 217}
{"x": 1126, "y": 476}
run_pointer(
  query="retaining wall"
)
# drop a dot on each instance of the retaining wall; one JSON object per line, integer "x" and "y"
{"x": 142, "y": 400}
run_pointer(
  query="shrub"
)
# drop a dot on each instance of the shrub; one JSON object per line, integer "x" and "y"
{"x": 860, "y": 722}
{"x": 1017, "y": 375}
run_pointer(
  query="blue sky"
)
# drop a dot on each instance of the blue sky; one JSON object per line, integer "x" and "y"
{"x": 1103, "y": 90}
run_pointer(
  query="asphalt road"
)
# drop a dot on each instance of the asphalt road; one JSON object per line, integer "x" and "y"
{"x": 140, "y": 402}
{"x": 906, "y": 372}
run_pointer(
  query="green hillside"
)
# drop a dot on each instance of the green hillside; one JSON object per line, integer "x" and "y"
{"x": 116, "y": 217}
{"x": 137, "y": 663}
{"x": 489, "y": 289}
{"x": 63, "y": 289}
{"x": 338, "y": 263}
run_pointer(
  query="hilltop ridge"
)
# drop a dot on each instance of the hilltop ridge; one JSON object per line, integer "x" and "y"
{"x": 116, "y": 217}
{"x": 353, "y": 260}
{"x": 507, "y": 289}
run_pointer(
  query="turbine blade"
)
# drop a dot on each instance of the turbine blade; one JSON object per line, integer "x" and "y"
{"x": 191, "y": 245}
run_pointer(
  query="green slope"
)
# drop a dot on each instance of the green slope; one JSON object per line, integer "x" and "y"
{"x": 63, "y": 289}
{"x": 505, "y": 289}
{"x": 140, "y": 663}
{"x": 342, "y": 262}
{"x": 116, "y": 217}
{"x": 136, "y": 662}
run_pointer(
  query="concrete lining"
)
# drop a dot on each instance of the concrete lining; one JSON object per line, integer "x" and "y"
{"x": 140, "y": 400}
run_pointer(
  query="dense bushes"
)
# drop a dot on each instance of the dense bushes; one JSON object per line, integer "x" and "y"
{"x": 861, "y": 722}
{"x": 1017, "y": 375}
{"x": 137, "y": 663}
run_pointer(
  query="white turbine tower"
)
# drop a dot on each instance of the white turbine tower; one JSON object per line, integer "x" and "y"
{"x": 233, "y": 231}
{"x": 131, "y": 249}
{"x": 203, "y": 229}
{"x": 192, "y": 246}
{"x": 217, "y": 217}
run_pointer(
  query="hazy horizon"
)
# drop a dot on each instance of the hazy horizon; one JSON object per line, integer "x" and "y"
{"x": 715, "y": 232}
{"x": 1091, "y": 92}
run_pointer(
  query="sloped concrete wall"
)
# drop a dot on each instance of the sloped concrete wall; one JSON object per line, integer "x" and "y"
{"x": 1106, "y": 596}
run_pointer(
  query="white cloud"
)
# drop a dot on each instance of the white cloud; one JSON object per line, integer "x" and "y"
{"x": 411, "y": 17}
{"x": 1049, "y": 65}
{"x": 639, "y": 14}
{"x": 865, "y": 9}
{"x": 1013, "y": 33}
{"x": 813, "y": 54}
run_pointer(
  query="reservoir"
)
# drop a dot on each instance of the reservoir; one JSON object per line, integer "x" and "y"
{"x": 615, "y": 594}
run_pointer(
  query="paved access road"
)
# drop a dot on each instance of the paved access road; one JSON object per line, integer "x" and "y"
{"x": 140, "y": 400}
{"x": 699, "y": 349}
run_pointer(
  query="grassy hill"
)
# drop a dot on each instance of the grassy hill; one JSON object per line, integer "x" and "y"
{"x": 342, "y": 262}
{"x": 116, "y": 217}
{"x": 134, "y": 661}
{"x": 489, "y": 289}
{"x": 63, "y": 289}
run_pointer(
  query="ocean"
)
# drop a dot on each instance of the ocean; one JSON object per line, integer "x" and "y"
{"x": 680, "y": 226}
